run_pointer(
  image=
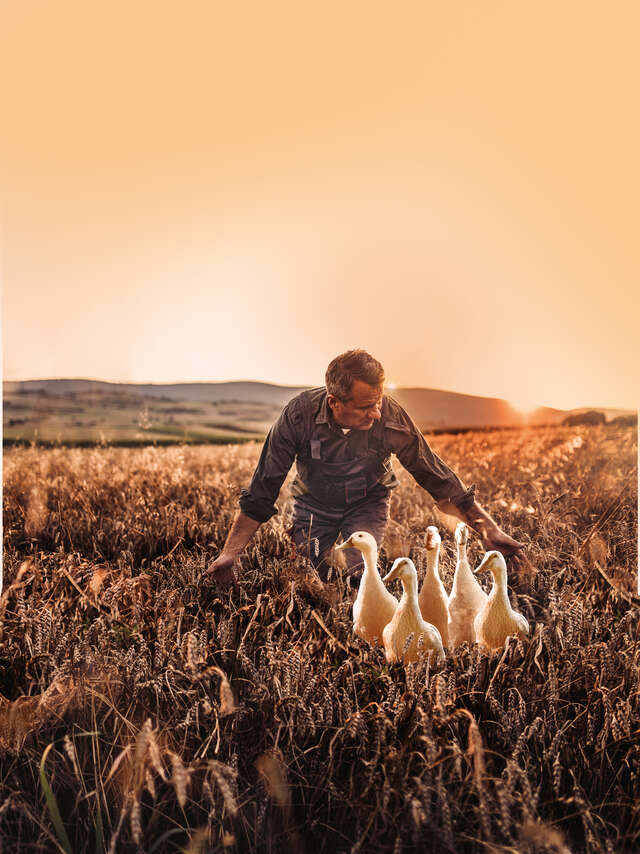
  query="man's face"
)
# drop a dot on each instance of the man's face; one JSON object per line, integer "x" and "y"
{"x": 361, "y": 409}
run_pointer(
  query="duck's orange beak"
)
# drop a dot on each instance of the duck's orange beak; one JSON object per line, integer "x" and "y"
{"x": 483, "y": 565}
{"x": 432, "y": 540}
{"x": 393, "y": 572}
{"x": 347, "y": 544}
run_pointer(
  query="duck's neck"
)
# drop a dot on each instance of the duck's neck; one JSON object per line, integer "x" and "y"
{"x": 462, "y": 565}
{"x": 371, "y": 573}
{"x": 432, "y": 562}
{"x": 499, "y": 590}
{"x": 409, "y": 601}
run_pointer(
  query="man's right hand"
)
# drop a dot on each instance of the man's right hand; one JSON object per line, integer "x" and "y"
{"x": 220, "y": 571}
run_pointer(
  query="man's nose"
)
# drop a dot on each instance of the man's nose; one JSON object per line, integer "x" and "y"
{"x": 376, "y": 412}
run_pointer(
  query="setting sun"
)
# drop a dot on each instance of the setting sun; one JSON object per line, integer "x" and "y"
{"x": 523, "y": 404}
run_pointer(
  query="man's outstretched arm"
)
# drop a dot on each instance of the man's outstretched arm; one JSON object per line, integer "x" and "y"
{"x": 434, "y": 475}
{"x": 257, "y": 504}
{"x": 492, "y": 536}
{"x": 221, "y": 569}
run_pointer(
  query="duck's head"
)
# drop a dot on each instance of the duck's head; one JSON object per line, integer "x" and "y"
{"x": 462, "y": 534}
{"x": 361, "y": 540}
{"x": 494, "y": 563}
{"x": 403, "y": 568}
{"x": 432, "y": 539}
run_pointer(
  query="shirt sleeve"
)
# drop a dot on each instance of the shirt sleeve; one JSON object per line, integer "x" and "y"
{"x": 278, "y": 453}
{"x": 428, "y": 470}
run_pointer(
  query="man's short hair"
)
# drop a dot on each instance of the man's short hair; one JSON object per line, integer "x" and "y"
{"x": 350, "y": 366}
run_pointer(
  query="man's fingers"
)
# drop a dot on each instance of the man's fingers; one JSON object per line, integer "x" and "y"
{"x": 223, "y": 576}
{"x": 220, "y": 573}
{"x": 514, "y": 560}
{"x": 519, "y": 561}
{"x": 212, "y": 572}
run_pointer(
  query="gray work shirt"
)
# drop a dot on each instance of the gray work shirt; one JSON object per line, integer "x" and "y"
{"x": 336, "y": 469}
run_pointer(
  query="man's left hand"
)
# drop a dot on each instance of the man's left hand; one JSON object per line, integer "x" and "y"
{"x": 510, "y": 548}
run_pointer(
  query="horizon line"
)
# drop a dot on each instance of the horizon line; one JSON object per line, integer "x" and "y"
{"x": 396, "y": 387}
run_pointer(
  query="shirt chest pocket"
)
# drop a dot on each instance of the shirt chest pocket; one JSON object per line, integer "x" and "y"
{"x": 354, "y": 489}
{"x": 340, "y": 484}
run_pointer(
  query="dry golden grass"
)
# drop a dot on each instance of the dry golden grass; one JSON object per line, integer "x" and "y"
{"x": 185, "y": 719}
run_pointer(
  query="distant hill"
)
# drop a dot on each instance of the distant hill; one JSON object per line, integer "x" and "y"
{"x": 437, "y": 410}
{"x": 79, "y": 410}
{"x": 252, "y": 392}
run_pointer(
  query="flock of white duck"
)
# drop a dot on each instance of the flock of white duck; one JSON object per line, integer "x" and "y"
{"x": 430, "y": 620}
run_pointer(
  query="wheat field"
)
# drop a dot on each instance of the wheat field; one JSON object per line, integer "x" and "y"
{"x": 143, "y": 710}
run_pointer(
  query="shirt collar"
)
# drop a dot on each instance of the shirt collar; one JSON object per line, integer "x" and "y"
{"x": 324, "y": 413}
{"x": 325, "y": 416}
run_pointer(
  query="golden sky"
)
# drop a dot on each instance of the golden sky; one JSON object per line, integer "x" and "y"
{"x": 212, "y": 191}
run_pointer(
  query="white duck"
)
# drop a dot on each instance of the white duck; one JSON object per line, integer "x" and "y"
{"x": 433, "y": 599}
{"x": 374, "y": 605}
{"x": 408, "y": 620}
{"x": 467, "y": 597}
{"x": 497, "y": 619}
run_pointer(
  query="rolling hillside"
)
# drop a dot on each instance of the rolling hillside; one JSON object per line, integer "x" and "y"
{"x": 90, "y": 411}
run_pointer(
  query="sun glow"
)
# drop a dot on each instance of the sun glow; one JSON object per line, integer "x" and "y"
{"x": 523, "y": 404}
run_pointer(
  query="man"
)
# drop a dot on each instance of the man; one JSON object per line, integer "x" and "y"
{"x": 341, "y": 437}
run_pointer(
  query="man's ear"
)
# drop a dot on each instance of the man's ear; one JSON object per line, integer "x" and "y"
{"x": 332, "y": 400}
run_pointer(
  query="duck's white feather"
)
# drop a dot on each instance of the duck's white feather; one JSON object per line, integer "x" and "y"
{"x": 467, "y": 598}
{"x": 433, "y": 599}
{"x": 497, "y": 619}
{"x": 408, "y": 620}
{"x": 374, "y": 605}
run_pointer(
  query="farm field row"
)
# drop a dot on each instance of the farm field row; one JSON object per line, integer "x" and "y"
{"x": 165, "y": 714}
{"x": 119, "y": 417}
